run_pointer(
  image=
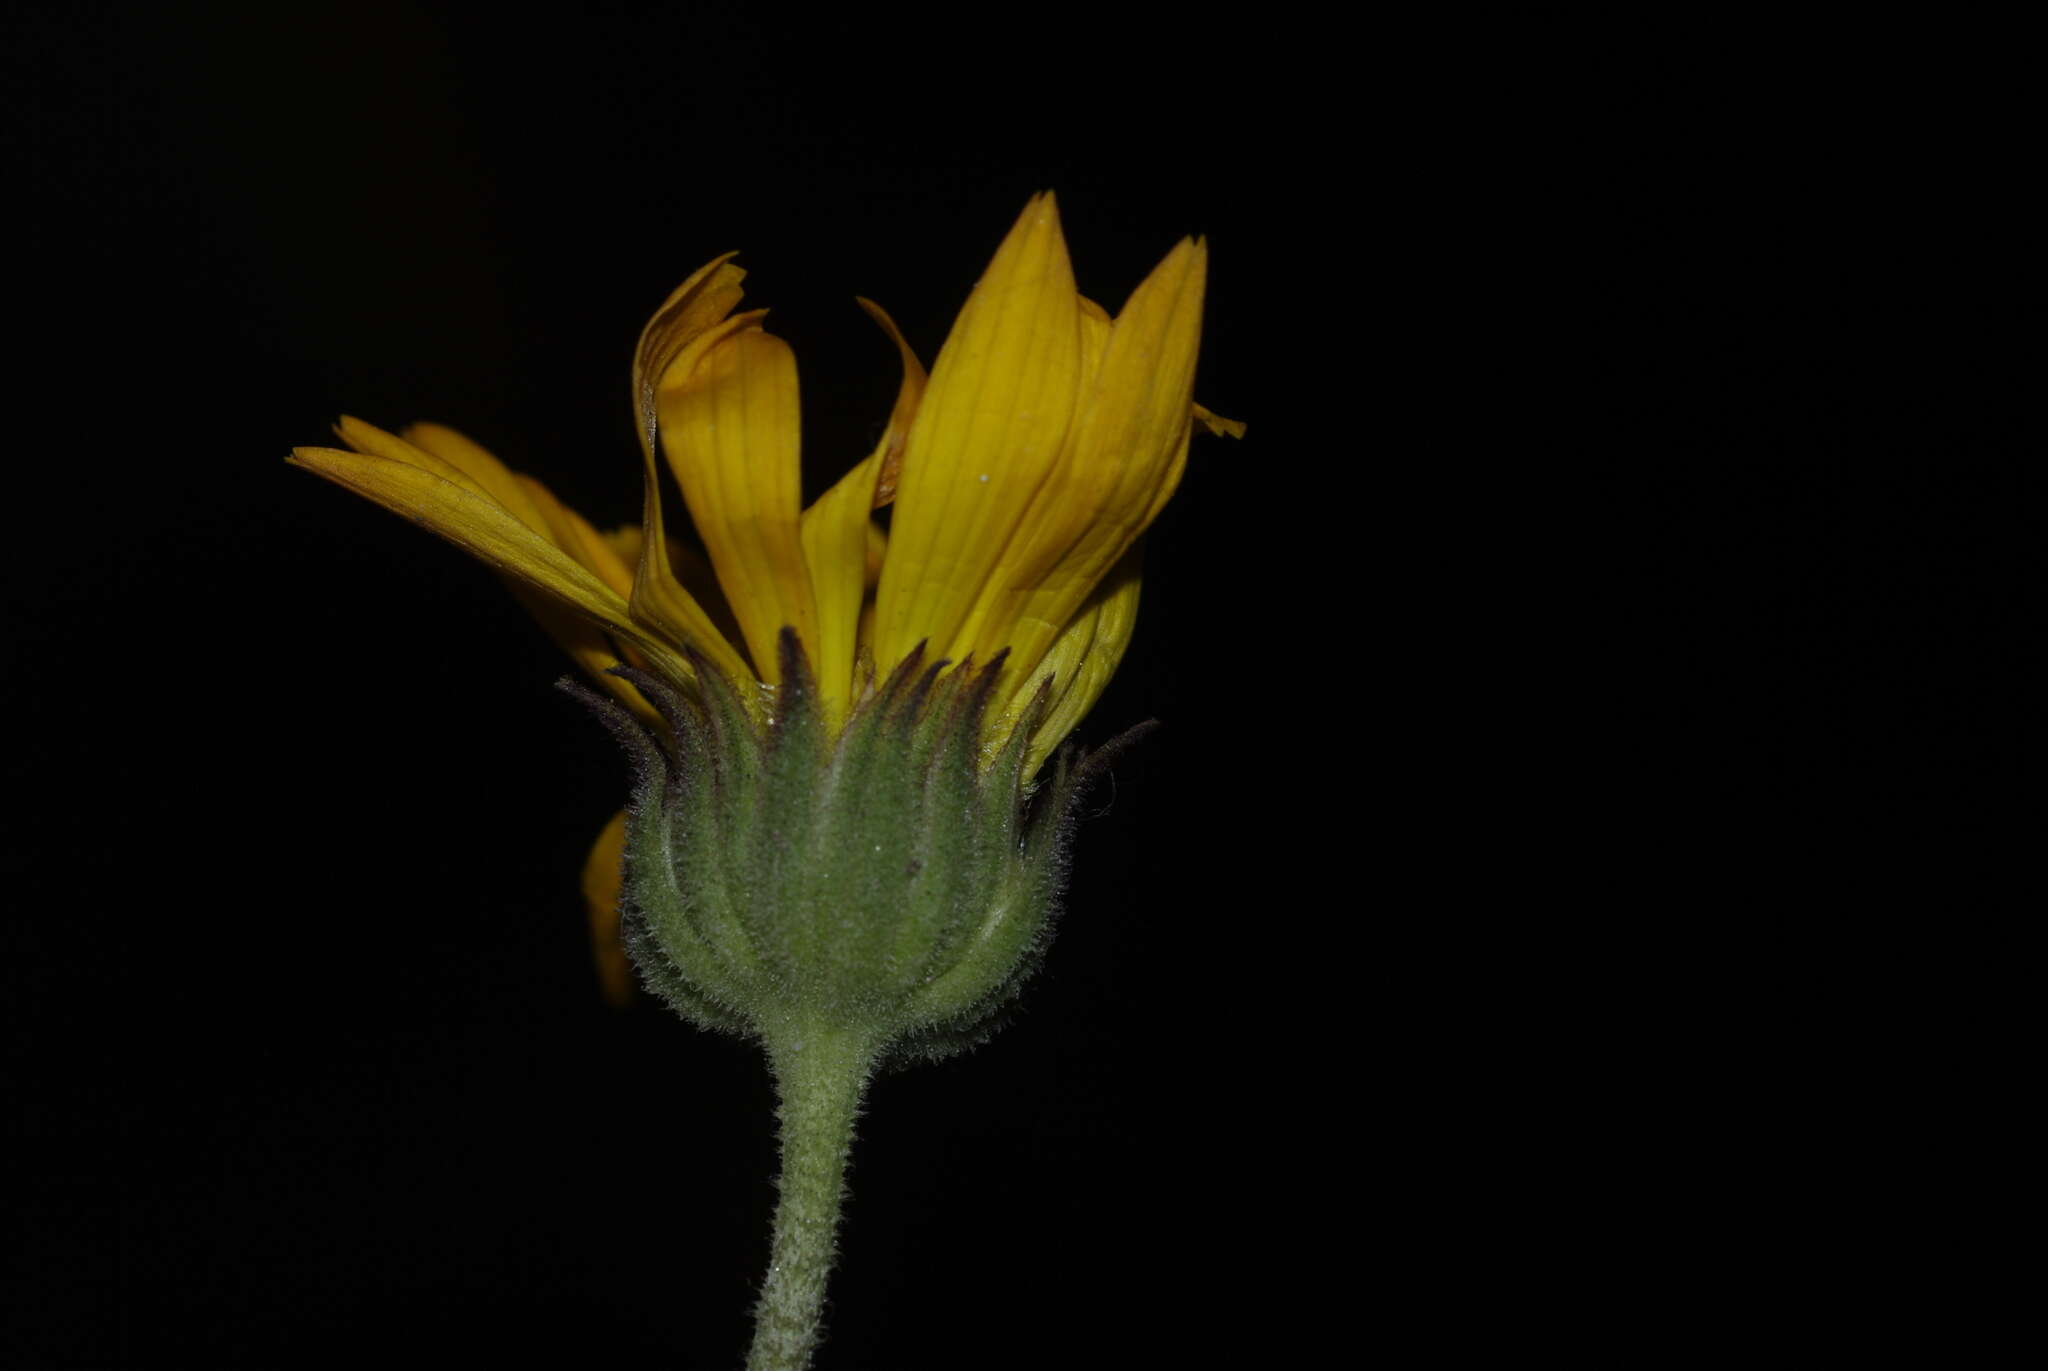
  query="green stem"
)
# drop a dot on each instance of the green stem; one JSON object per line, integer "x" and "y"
{"x": 820, "y": 1077}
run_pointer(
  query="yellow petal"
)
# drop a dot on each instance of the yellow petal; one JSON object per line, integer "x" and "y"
{"x": 625, "y": 540}
{"x": 1218, "y": 425}
{"x": 535, "y": 507}
{"x": 573, "y": 534}
{"x": 992, "y": 423}
{"x": 659, "y": 599}
{"x": 691, "y": 572}
{"x": 909, "y": 394}
{"x": 477, "y": 463}
{"x": 878, "y": 549}
{"x": 1128, "y": 450}
{"x": 864, "y": 649}
{"x": 1175, "y": 466}
{"x": 729, "y": 425}
{"x": 1095, "y": 329}
{"x": 694, "y": 313}
{"x": 835, "y": 546}
{"x": 842, "y": 547}
{"x": 527, "y": 498}
{"x": 372, "y": 441}
{"x": 489, "y": 532}
{"x": 691, "y": 309}
{"x": 1083, "y": 658}
{"x": 591, "y": 649}
{"x": 603, "y": 874}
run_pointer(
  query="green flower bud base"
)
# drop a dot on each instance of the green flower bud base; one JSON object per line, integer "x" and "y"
{"x": 851, "y": 898}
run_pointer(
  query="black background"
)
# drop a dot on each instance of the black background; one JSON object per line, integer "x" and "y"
{"x": 1588, "y": 547}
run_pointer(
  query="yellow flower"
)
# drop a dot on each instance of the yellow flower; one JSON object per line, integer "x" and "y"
{"x": 1023, "y": 473}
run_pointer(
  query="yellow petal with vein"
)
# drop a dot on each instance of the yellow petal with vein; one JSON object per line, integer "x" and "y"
{"x": 489, "y": 532}
{"x": 574, "y": 535}
{"x": 835, "y": 545}
{"x": 1128, "y": 450}
{"x": 909, "y": 393}
{"x": 533, "y": 503}
{"x": 659, "y": 599}
{"x": 694, "y": 313}
{"x": 1095, "y": 328}
{"x": 729, "y": 425}
{"x": 372, "y": 441}
{"x": 592, "y": 650}
{"x": 534, "y": 506}
{"x": 842, "y": 546}
{"x": 992, "y": 423}
{"x": 603, "y": 874}
{"x": 691, "y": 572}
{"x": 477, "y": 462}
{"x": 1084, "y": 657}
{"x": 691, "y": 309}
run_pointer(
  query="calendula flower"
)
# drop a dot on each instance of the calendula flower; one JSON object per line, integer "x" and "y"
{"x": 834, "y": 845}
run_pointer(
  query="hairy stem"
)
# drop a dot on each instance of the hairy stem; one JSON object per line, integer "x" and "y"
{"x": 820, "y": 1078}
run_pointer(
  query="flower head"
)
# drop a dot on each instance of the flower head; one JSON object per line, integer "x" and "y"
{"x": 1023, "y": 472}
{"x": 1019, "y": 477}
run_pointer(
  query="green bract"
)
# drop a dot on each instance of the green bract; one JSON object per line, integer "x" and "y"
{"x": 891, "y": 886}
